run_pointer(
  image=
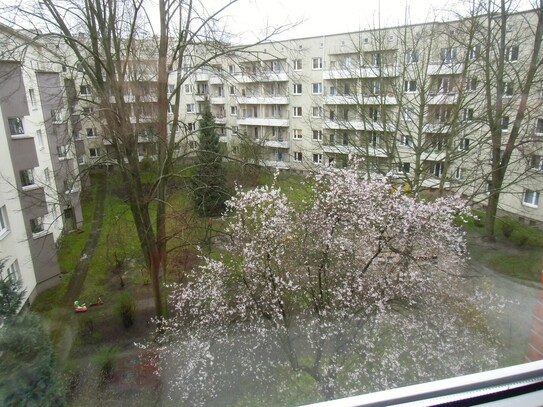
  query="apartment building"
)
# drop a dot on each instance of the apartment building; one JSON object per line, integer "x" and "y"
{"x": 410, "y": 102}
{"x": 39, "y": 198}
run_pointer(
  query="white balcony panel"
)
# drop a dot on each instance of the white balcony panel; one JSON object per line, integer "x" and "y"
{"x": 215, "y": 80}
{"x": 275, "y": 164}
{"x": 218, "y": 100}
{"x": 433, "y": 156}
{"x": 357, "y": 125}
{"x": 220, "y": 120}
{"x": 223, "y": 139}
{"x": 257, "y": 121}
{"x": 277, "y": 144}
{"x": 360, "y": 100}
{"x": 263, "y": 100}
{"x": 202, "y": 76}
{"x": 340, "y": 149}
{"x": 445, "y": 69}
{"x": 442, "y": 99}
{"x": 366, "y": 72}
{"x": 262, "y": 77}
{"x": 437, "y": 128}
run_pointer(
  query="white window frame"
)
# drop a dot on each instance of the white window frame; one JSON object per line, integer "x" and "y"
{"x": 536, "y": 162}
{"x": 56, "y": 115}
{"x": 28, "y": 176}
{"x": 530, "y": 198}
{"x": 464, "y": 144}
{"x": 94, "y": 152}
{"x": 39, "y": 138}
{"x": 406, "y": 140}
{"x": 36, "y": 227}
{"x": 316, "y": 112}
{"x": 190, "y": 107}
{"x": 297, "y": 134}
{"x": 316, "y": 88}
{"x": 410, "y": 85}
{"x": 437, "y": 169}
{"x": 317, "y": 158}
{"x": 411, "y": 56}
{"x": 298, "y": 156}
{"x": 471, "y": 84}
{"x": 459, "y": 173}
{"x": 233, "y": 110}
{"x": 296, "y": 111}
{"x": 512, "y": 53}
{"x": 188, "y": 89}
{"x": 538, "y": 130}
{"x": 91, "y": 132}
{"x": 85, "y": 90}
{"x": 4, "y": 222}
{"x": 297, "y": 89}
{"x": 13, "y": 272}
{"x": 317, "y": 63}
{"x": 16, "y": 127}
{"x": 297, "y": 65}
{"x": 317, "y": 135}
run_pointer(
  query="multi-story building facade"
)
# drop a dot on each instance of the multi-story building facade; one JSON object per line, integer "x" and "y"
{"x": 410, "y": 102}
{"x": 39, "y": 198}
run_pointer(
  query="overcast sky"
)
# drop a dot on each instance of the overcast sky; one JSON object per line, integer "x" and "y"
{"x": 335, "y": 16}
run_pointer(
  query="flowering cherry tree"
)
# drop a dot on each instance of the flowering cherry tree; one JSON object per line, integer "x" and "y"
{"x": 353, "y": 289}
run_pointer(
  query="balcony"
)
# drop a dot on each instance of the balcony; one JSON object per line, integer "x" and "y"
{"x": 220, "y": 119}
{"x": 363, "y": 72}
{"x": 437, "y": 127}
{"x": 282, "y": 165}
{"x": 445, "y": 68}
{"x": 343, "y": 149}
{"x": 361, "y": 99}
{"x": 201, "y": 97}
{"x": 263, "y": 121}
{"x": 215, "y": 80}
{"x": 263, "y": 100}
{"x": 218, "y": 100}
{"x": 267, "y": 76}
{"x": 357, "y": 125}
{"x": 442, "y": 98}
{"x": 278, "y": 143}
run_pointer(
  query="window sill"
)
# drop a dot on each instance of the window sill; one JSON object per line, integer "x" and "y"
{"x": 529, "y": 205}
{"x": 40, "y": 234}
{"x": 30, "y": 187}
{"x": 20, "y": 137}
{"x": 4, "y": 233}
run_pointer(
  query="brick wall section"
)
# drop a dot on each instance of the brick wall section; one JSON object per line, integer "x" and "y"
{"x": 535, "y": 340}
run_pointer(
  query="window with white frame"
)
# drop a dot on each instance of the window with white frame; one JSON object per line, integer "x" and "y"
{"x": 232, "y": 90}
{"x": 36, "y": 225}
{"x": 297, "y": 111}
{"x": 297, "y": 89}
{"x": 437, "y": 169}
{"x": 298, "y": 156}
{"x": 375, "y": 87}
{"x": 316, "y": 111}
{"x": 443, "y": 85}
{"x": 317, "y": 158}
{"x": 467, "y": 114}
{"x": 508, "y": 89}
{"x": 13, "y": 273}
{"x": 406, "y": 141}
{"x": 62, "y": 151}
{"x": 85, "y": 90}
{"x": 16, "y": 126}
{"x": 448, "y": 54}
{"x": 511, "y": 54}
{"x": 405, "y": 168}
{"x": 233, "y": 110}
{"x": 376, "y": 59}
{"x": 86, "y": 111}
{"x": 170, "y": 108}
{"x": 471, "y": 84}
{"x": 464, "y": 144}
{"x": 539, "y": 126}
{"x": 276, "y": 66}
{"x": 374, "y": 140}
{"x": 536, "y": 162}
{"x": 39, "y": 139}
{"x": 56, "y": 115}
{"x": 32, "y": 97}
{"x": 317, "y": 63}
{"x": 474, "y": 52}
{"x": 4, "y": 224}
{"x": 530, "y": 198}
{"x": 234, "y": 129}
{"x": 345, "y": 139}
{"x": 94, "y": 152}
{"x": 297, "y": 64}
{"x": 317, "y": 135}
{"x": 190, "y": 107}
{"x": 188, "y": 88}
{"x": 231, "y": 68}
{"x": 410, "y": 86}
{"x": 459, "y": 173}
{"x": 297, "y": 134}
{"x": 333, "y": 91}
{"x": 27, "y": 177}
{"x": 191, "y": 126}
{"x": 47, "y": 176}
{"x": 316, "y": 88}
{"x": 375, "y": 114}
{"x": 411, "y": 56}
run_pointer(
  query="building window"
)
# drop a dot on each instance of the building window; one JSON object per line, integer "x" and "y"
{"x": 405, "y": 168}
{"x": 62, "y": 151}
{"x": 170, "y": 108}
{"x": 94, "y": 152}
{"x": 505, "y": 123}
{"x": 56, "y": 116}
{"x": 530, "y": 198}
{"x": 297, "y": 89}
{"x": 233, "y": 110}
{"x": 47, "y": 176}
{"x": 297, "y": 65}
{"x": 437, "y": 169}
{"x": 474, "y": 52}
{"x": 188, "y": 89}
{"x": 231, "y": 68}
{"x": 85, "y": 90}
{"x": 539, "y": 126}
{"x": 471, "y": 84}
{"x": 443, "y": 85}
{"x": 333, "y": 91}
{"x": 376, "y": 59}
{"x": 448, "y": 54}
{"x": 317, "y": 135}
{"x": 36, "y": 225}
{"x": 458, "y": 173}
{"x": 27, "y": 177}
{"x": 464, "y": 144}
{"x": 87, "y": 111}
{"x": 375, "y": 87}
{"x": 317, "y": 63}
{"x": 276, "y": 66}
{"x": 508, "y": 89}
{"x": 316, "y": 88}
{"x": 375, "y": 114}
{"x": 232, "y": 90}
{"x": 410, "y": 86}
{"x": 190, "y": 107}
{"x": 298, "y": 156}
{"x": 171, "y": 88}
{"x": 13, "y": 272}
{"x": 16, "y": 126}
{"x": 317, "y": 158}
{"x": 467, "y": 114}
{"x": 32, "y": 97}
{"x": 4, "y": 225}
{"x": 345, "y": 139}
{"x": 511, "y": 54}
{"x": 406, "y": 141}
{"x": 536, "y": 162}
{"x": 91, "y": 132}
{"x": 297, "y": 134}
{"x": 297, "y": 111}
{"x": 316, "y": 111}
{"x": 374, "y": 140}
{"x": 411, "y": 56}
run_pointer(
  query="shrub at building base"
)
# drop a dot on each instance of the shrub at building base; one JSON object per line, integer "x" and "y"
{"x": 126, "y": 309}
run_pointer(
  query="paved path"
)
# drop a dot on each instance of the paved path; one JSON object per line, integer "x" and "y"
{"x": 73, "y": 291}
